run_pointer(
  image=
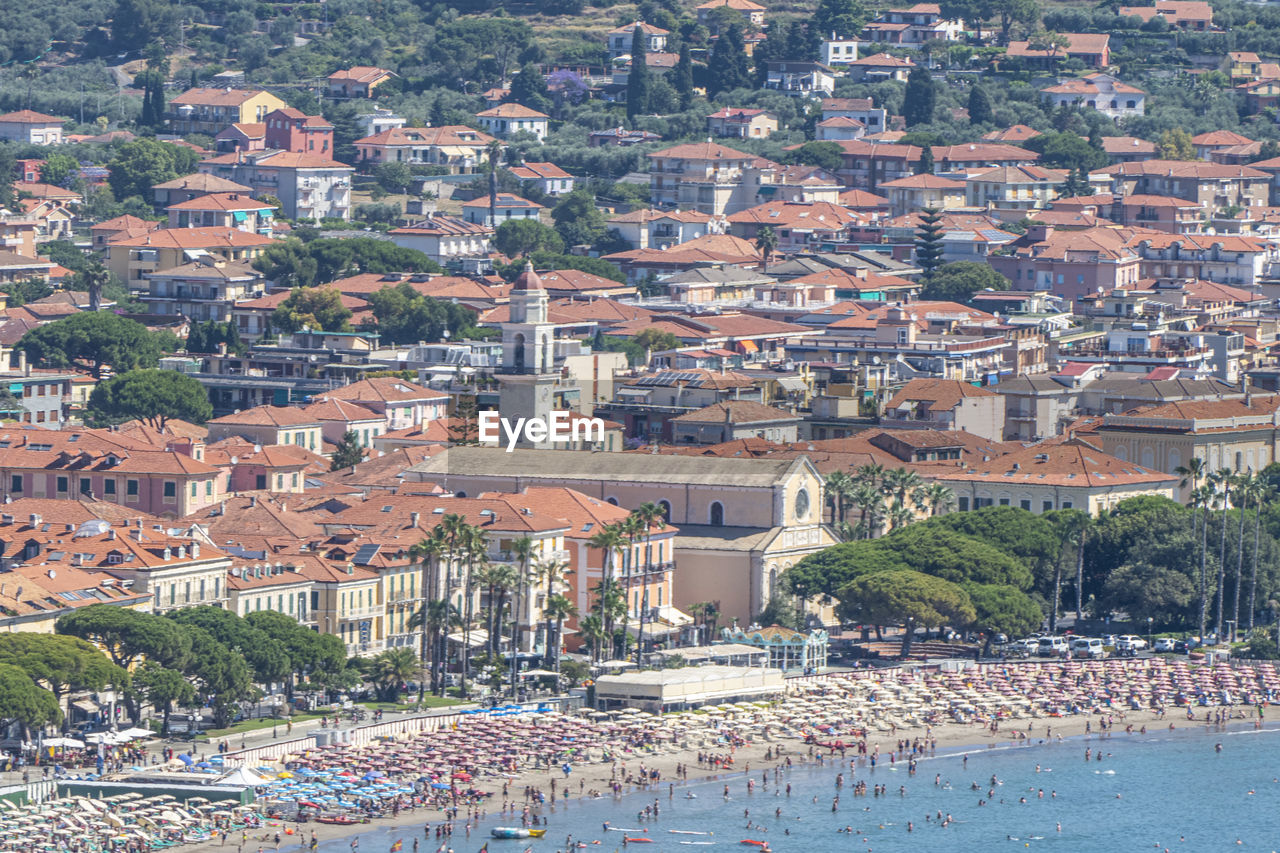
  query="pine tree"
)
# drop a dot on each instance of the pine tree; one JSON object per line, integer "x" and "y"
{"x": 638, "y": 76}
{"x": 683, "y": 78}
{"x": 157, "y": 101}
{"x": 921, "y": 96}
{"x": 148, "y": 118}
{"x": 195, "y": 340}
{"x": 929, "y": 240}
{"x": 347, "y": 453}
{"x": 980, "y": 111}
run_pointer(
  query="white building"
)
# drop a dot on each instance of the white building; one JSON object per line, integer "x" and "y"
{"x": 506, "y": 119}
{"x": 443, "y": 238}
{"x": 835, "y": 51}
{"x": 1100, "y": 92}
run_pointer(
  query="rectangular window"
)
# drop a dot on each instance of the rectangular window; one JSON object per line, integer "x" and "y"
{"x": 86, "y": 486}
{"x": 208, "y": 488}
{"x": 109, "y": 487}
{"x": 62, "y": 485}
{"x": 963, "y": 504}
{"x": 1004, "y": 502}
{"x": 299, "y": 438}
{"x": 170, "y": 489}
{"x": 1026, "y": 505}
{"x": 295, "y": 480}
{"x": 131, "y": 488}
{"x": 15, "y": 483}
{"x": 1046, "y": 506}
{"x": 195, "y": 489}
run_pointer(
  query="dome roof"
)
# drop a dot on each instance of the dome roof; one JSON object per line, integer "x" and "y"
{"x": 528, "y": 279}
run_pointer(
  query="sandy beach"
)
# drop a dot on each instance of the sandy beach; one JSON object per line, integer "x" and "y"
{"x": 873, "y": 717}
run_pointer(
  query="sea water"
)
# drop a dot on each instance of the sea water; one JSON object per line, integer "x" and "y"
{"x": 1165, "y": 789}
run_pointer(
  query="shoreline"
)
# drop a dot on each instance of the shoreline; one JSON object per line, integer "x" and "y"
{"x": 953, "y": 740}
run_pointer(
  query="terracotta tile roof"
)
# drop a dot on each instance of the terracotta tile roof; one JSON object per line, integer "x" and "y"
{"x": 194, "y": 238}
{"x": 1210, "y": 410}
{"x": 1141, "y": 200}
{"x": 646, "y": 28}
{"x": 254, "y": 516}
{"x": 831, "y": 105}
{"x": 534, "y": 171}
{"x": 701, "y": 151}
{"x": 221, "y": 201}
{"x": 577, "y": 281}
{"x": 862, "y": 199}
{"x": 273, "y": 300}
{"x": 216, "y": 97}
{"x": 1016, "y": 133}
{"x": 328, "y": 409}
{"x": 384, "y": 389}
{"x": 722, "y": 247}
{"x": 1127, "y": 145}
{"x": 448, "y": 136}
{"x": 29, "y": 117}
{"x": 505, "y": 200}
{"x": 203, "y": 183}
{"x": 815, "y": 216}
{"x": 924, "y": 182}
{"x": 1220, "y": 137}
{"x": 583, "y": 514}
{"x": 883, "y": 60}
{"x": 923, "y": 312}
{"x": 1198, "y": 169}
{"x": 1060, "y": 463}
{"x": 940, "y": 394}
{"x": 1228, "y": 242}
{"x": 444, "y": 226}
{"x": 737, "y": 412}
{"x": 361, "y": 74}
{"x": 840, "y": 121}
{"x": 286, "y": 416}
{"x": 878, "y": 150}
{"x": 1089, "y": 86}
{"x": 174, "y": 429}
{"x": 982, "y": 152}
{"x": 1021, "y": 175}
{"x": 711, "y": 326}
{"x": 295, "y": 160}
{"x": 390, "y": 517}
{"x": 1085, "y": 43}
{"x": 382, "y": 472}
{"x": 740, "y": 5}
{"x": 511, "y": 111}
{"x": 738, "y": 114}
{"x": 61, "y": 511}
{"x": 125, "y": 223}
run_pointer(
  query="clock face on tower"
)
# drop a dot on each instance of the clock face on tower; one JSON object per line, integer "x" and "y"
{"x": 802, "y": 503}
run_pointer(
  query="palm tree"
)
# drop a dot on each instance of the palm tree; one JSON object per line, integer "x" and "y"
{"x": 551, "y": 573}
{"x": 593, "y": 633}
{"x": 1224, "y": 478}
{"x": 939, "y": 498}
{"x": 900, "y": 483}
{"x": 557, "y": 609}
{"x": 609, "y": 540}
{"x": 493, "y": 152}
{"x": 428, "y": 553}
{"x": 767, "y": 243}
{"x": 389, "y": 670}
{"x": 1205, "y": 496}
{"x": 474, "y": 548}
{"x": 870, "y": 502}
{"x": 1247, "y": 486}
{"x": 435, "y": 618}
{"x": 1192, "y": 473}
{"x": 900, "y": 515}
{"x": 838, "y": 486}
{"x": 94, "y": 277}
{"x": 647, "y": 515}
{"x": 523, "y": 549}
{"x": 1264, "y": 494}
{"x": 501, "y": 579}
{"x": 613, "y": 606}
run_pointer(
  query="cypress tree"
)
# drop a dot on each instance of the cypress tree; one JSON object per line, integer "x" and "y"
{"x": 638, "y": 76}
{"x": 921, "y": 96}
{"x": 929, "y": 240}
{"x": 157, "y": 101}
{"x": 980, "y": 111}
{"x": 728, "y": 68}
{"x": 683, "y": 78}
{"x": 926, "y": 160}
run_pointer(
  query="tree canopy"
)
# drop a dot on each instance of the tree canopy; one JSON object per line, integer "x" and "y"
{"x": 405, "y": 316}
{"x": 958, "y": 281}
{"x": 318, "y": 308}
{"x": 295, "y": 263}
{"x": 150, "y": 395}
{"x": 98, "y": 338}
{"x": 141, "y": 164}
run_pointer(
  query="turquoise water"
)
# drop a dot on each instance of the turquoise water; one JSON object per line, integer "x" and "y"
{"x": 1150, "y": 792}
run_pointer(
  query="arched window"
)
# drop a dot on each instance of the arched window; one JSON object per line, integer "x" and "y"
{"x": 665, "y": 506}
{"x": 716, "y": 514}
{"x": 517, "y": 356}
{"x": 1148, "y": 458}
{"x": 1239, "y": 460}
{"x": 1122, "y": 453}
{"x": 459, "y": 494}
{"x": 613, "y": 501}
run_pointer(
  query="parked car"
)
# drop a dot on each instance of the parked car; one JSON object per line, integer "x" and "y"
{"x": 1164, "y": 644}
{"x": 1051, "y": 646}
{"x": 1109, "y": 639}
{"x": 1182, "y": 647}
{"x": 1135, "y": 642}
{"x": 1088, "y": 648}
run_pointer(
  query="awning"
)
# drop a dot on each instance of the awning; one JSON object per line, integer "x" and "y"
{"x": 633, "y": 392}
{"x": 239, "y": 215}
{"x": 791, "y": 383}
{"x": 86, "y": 705}
{"x": 748, "y": 346}
{"x": 479, "y": 637}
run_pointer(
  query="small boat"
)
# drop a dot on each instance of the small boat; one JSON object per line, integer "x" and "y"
{"x": 339, "y": 819}
{"x": 636, "y": 840}
{"x": 755, "y": 843}
{"x": 516, "y": 832}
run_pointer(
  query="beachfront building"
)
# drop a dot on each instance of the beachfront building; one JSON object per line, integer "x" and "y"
{"x": 691, "y": 687}
{"x": 789, "y": 650}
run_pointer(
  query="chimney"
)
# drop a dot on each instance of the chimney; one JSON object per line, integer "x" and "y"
{"x": 413, "y": 519}
{"x": 222, "y": 508}
{"x": 35, "y": 520}
{"x": 195, "y": 550}
{"x": 23, "y": 367}
{"x": 222, "y": 348}
{"x": 167, "y": 552}
{"x": 253, "y": 500}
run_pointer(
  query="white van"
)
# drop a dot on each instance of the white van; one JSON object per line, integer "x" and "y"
{"x": 1050, "y": 647}
{"x": 1088, "y": 647}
